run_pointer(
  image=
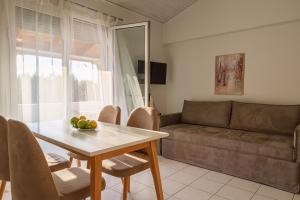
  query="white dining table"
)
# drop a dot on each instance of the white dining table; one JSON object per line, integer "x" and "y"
{"x": 107, "y": 141}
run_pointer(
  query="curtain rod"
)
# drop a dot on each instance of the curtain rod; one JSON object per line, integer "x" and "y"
{"x": 118, "y": 18}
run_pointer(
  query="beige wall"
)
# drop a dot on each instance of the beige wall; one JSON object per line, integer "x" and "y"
{"x": 267, "y": 31}
{"x": 157, "y": 49}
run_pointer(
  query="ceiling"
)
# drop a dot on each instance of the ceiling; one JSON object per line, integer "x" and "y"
{"x": 159, "y": 10}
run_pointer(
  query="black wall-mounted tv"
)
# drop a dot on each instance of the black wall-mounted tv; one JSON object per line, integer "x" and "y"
{"x": 158, "y": 71}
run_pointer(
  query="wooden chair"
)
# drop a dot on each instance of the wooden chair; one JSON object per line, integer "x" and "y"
{"x": 109, "y": 114}
{"x": 55, "y": 162}
{"x": 126, "y": 165}
{"x": 30, "y": 176}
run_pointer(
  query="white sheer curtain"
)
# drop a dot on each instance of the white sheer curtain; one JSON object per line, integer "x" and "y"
{"x": 8, "y": 86}
{"x": 128, "y": 94}
{"x": 90, "y": 69}
{"x": 56, "y": 60}
{"x": 39, "y": 53}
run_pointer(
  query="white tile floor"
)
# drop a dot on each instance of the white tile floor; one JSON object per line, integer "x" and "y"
{"x": 186, "y": 182}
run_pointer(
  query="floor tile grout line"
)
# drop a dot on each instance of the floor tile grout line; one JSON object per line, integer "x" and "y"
{"x": 196, "y": 178}
{"x": 255, "y": 192}
{"x": 220, "y": 182}
{"x": 243, "y": 188}
{"x": 170, "y": 174}
{"x": 227, "y": 184}
{"x": 184, "y": 188}
{"x": 188, "y": 165}
{"x": 166, "y": 177}
{"x": 179, "y": 191}
{"x": 215, "y": 194}
{"x": 266, "y": 195}
{"x": 130, "y": 192}
{"x": 169, "y": 162}
{"x": 212, "y": 194}
{"x": 269, "y": 196}
{"x": 189, "y": 185}
{"x": 273, "y": 188}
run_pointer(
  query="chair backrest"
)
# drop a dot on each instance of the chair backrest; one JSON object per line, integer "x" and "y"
{"x": 30, "y": 175}
{"x": 143, "y": 117}
{"x": 4, "y": 165}
{"x": 110, "y": 114}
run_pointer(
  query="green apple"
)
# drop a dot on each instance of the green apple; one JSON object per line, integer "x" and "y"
{"x": 82, "y": 124}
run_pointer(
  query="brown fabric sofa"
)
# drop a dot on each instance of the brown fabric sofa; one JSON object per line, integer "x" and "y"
{"x": 257, "y": 142}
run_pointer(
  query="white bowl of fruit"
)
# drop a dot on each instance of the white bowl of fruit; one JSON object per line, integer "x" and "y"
{"x": 82, "y": 123}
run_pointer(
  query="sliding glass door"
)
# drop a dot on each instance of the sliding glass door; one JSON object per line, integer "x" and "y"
{"x": 131, "y": 65}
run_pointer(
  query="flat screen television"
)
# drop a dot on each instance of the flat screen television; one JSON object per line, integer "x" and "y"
{"x": 158, "y": 71}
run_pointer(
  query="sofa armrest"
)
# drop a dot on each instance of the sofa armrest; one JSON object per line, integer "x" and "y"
{"x": 297, "y": 143}
{"x": 170, "y": 119}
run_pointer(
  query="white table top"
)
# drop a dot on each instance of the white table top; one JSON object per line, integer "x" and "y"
{"x": 106, "y": 138}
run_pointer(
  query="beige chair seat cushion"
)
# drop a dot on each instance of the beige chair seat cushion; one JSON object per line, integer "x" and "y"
{"x": 73, "y": 183}
{"x": 56, "y": 162}
{"x": 126, "y": 164}
{"x": 77, "y": 156}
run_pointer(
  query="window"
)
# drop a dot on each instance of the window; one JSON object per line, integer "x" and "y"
{"x": 50, "y": 86}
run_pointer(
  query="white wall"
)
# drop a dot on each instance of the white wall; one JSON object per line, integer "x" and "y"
{"x": 212, "y": 17}
{"x": 157, "y": 49}
{"x": 267, "y": 31}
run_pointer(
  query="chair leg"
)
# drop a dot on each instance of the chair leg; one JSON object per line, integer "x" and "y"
{"x": 2, "y": 188}
{"x": 88, "y": 165}
{"x": 128, "y": 187}
{"x": 71, "y": 160}
{"x": 125, "y": 187}
{"x": 78, "y": 163}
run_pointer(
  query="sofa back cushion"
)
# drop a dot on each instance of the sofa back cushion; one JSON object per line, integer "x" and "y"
{"x": 265, "y": 118}
{"x": 206, "y": 113}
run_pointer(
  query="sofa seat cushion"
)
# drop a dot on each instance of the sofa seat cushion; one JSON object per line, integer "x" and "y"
{"x": 270, "y": 145}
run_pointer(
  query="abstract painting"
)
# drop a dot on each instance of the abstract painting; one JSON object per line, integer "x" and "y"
{"x": 229, "y": 75}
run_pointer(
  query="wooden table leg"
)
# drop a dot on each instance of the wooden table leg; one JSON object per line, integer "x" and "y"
{"x": 125, "y": 187}
{"x": 155, "y": 170}
{"x": 2, "y": 188}
{"x": 96, "y": 178}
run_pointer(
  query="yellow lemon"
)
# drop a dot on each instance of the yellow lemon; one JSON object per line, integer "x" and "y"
{"x": 93, "y": 124}
{"x": 82, "y": 117}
